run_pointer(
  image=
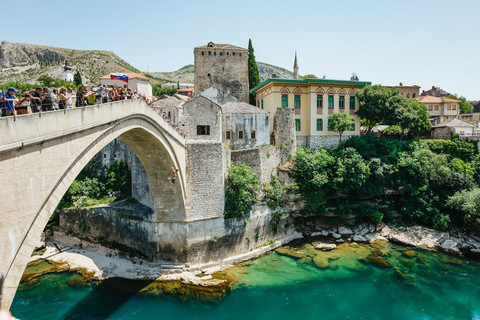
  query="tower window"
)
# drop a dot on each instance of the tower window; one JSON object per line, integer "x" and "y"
{"x": 253, "y": 134}
{"x": 214, "y": 53}
{"x": 233, "y": 53}
{"x": 209, "y": 53}
{"x": 228, "y": 53}
{"x": 228, "y": 135}
{"x": 203, "y": 53}
{"x": 203, "y": 130}
{"x": 240, "y": 54}
{"x": 221, "y": 53}
{"x": 208, "y": 74}
{"x": 240, "y": 134}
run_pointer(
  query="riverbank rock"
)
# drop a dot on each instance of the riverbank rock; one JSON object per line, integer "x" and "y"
{"x": 450, "y": 245}
{"x": 324, "y": 246}
{"x": 377, "y": 261}
{"x": 403, "y": 276}
{"x": 344, "y": 231}
{"x": 410, "y": 253}
{"x": 359, "y": 238}
{"x": 321, "y": 262}
{"x": 289, "y": 252}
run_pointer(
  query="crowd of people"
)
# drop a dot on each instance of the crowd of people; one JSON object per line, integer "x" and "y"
{"x": 47, "y": 99}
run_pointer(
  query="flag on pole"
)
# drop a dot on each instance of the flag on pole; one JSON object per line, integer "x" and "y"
{"x": 119, "y": 76}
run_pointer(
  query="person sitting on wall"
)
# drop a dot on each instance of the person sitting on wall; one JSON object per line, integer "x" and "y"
{"x": 174, "y": 178}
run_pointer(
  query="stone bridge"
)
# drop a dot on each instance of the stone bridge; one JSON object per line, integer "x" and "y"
{"x": 41, "y": 154}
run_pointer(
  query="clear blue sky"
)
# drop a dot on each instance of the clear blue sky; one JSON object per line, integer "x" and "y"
{"x": 423, "y": 42}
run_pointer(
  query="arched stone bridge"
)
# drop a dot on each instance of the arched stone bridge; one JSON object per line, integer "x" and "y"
{"x": 41, "y": 154}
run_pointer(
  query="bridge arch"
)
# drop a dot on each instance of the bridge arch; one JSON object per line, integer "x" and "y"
{"x": 42, "y": 162}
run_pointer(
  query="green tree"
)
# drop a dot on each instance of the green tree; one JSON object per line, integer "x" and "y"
{"x": 340, "y": 122}
{"x": 45, "y": 80}
{"x": 309, "y": 76}
{"x": 466, "y": 205}
{"x": 77, "y": 78}
{"x": 373, "y": 107}
{"x": 241, "y": 194}
{"x": 253, "y": 74}
{"x": 465, "y": 107}
{"x": 409, "y": 114}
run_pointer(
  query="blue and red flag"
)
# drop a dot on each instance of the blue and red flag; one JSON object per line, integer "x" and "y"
{"x": 119, "y": 76}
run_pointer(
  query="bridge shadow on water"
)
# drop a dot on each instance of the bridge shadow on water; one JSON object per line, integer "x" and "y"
{"x": 105, "y": 299}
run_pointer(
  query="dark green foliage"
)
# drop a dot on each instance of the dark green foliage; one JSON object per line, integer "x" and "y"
{"x": 274, "y": 192}
{"x": 77, "y": 78}
{"x": 276, "y": 220}
{"x": 241, "y": 194}
{"x": 157, "y": 90}
{"x": 465, "y": 107}
{"x": 395, "y": 132}
{"x": 340, "y": 122}
{"x": 369, "y": 213}
{"x": 466, "y": 206}
{"x": 422, "y": 174}
{"x": 253, "y": 74}
{"x": 373, "y": 104}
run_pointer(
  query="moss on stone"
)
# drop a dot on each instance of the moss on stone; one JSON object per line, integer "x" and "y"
{"x": 410, "y": 253}
{"x": 408, "y": 263}
{"x": 289, "y": 252}
{"x": 321, "y": 262}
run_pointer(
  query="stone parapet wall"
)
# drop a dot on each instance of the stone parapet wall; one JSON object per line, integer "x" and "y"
{"x": 284, "y": 132}
{"x": 314, "y": 142}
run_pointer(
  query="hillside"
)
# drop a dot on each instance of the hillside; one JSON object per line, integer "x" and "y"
{"x": 26, "y": 62}
{"x": 186, "y": 74}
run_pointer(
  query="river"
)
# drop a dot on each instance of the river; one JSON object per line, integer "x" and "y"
{"x": 319, "y": 285}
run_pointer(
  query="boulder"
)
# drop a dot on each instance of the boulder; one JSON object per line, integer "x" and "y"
{"x": 369, "y": 237}
{"x": 359, "y": 238}
{"x": 324, "y": 246}
{"x": 340, "y": 240}
{"x": 344, "y": 231}
{"x": 410, "y": 253}
{"x": 290, "y": 253}
{"x": 450, "y": 245}
{"x": 336, "y": 235}
{"x": 324, "y": 233}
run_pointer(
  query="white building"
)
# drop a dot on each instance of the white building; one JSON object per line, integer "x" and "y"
{"x": 136, "y": 81}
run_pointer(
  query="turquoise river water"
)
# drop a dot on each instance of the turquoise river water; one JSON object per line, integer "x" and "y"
{"x": 319, "y": 285}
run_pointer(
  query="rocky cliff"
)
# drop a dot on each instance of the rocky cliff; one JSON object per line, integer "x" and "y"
{"x": 26, "y": 62}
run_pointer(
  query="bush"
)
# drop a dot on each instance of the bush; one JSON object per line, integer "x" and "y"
{"x": 274, "y": 192}
{"x": 241, "y": 194}
{"x": 276, "y": 220}
{"x": 392, "y": 132}
{"x": 466, "y": 206}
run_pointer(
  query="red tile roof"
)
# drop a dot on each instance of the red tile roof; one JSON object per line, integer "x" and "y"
{"x": 431, "y": 99}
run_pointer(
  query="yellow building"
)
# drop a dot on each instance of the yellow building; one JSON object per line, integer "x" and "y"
{"x": 313, "y": 100}
{"x": 440, "y": 108}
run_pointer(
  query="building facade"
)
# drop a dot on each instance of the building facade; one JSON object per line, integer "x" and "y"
{"x": 224, "y": 67}
{"x": 440, "y": 108}
{"x": 313, "y": 101}
{"x": 444, "y": 129}
{"x": 136, "y": 81}
{"x": 410, "y": 92}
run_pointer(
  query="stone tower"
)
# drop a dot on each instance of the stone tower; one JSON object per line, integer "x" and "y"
{"x": 224, "y": 67}
{"x": 295, "y": 67}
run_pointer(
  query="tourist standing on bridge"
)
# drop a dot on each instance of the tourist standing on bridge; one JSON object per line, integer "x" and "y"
{"x": 69, "y": 96}
{"x": 36, "y": 100}
{"x": 8, "y": 102}
{"x": 82, "y": 96}
{"x": 47, "y": 104}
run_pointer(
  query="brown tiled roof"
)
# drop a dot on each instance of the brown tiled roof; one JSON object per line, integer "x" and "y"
{"x": 130, "y": 76}
{"x": 431, "y": 99}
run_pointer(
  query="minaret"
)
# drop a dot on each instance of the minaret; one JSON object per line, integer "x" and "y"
{"x": 295, "y": 68}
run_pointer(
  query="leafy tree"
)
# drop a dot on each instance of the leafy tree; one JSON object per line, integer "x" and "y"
{"x": 465, "y": 107}
{"x": 157, "y": 90}
{"x": 253, "y": 74}
{"x": 309, "y": 76}
{"x": 350, "y": 172}
{"x": 340, "y": 122}
{"x": 373, "y": 107}
{"x": 241, "y": 194}
{"x": 421, "y": 124}
{"x": 409, "y": 114}
{"x": 77, "y": 78}
{"x": 45, "y": 80}
{"x": 466, "y": 205}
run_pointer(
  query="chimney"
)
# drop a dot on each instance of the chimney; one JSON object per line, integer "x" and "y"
{"x": 274, "y": 75}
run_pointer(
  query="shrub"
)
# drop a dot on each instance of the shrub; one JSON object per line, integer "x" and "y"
{"x": 466, "y": 206}
{"x": 242, "y": 186}
{"x": 275, "y": 221}
{"x": 274, "y": 192}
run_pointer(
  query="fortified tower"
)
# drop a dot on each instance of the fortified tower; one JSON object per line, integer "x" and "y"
{"x": 224, "y": 67}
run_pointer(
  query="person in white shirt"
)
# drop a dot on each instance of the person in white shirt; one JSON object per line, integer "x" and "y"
{"x": 69, "y": 94}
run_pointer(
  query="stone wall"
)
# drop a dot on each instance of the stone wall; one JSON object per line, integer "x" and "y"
{"x": 314, "y": 142}
{"x": 441, "y": 133}
{"x": 246, "y": 122}
{"x": 263, "y": 161}
{"x": 202, "y": 111}
{"x": 228, "y": 73}
{"x": 205, "y": 165}
{"x": 284, "y": 132}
